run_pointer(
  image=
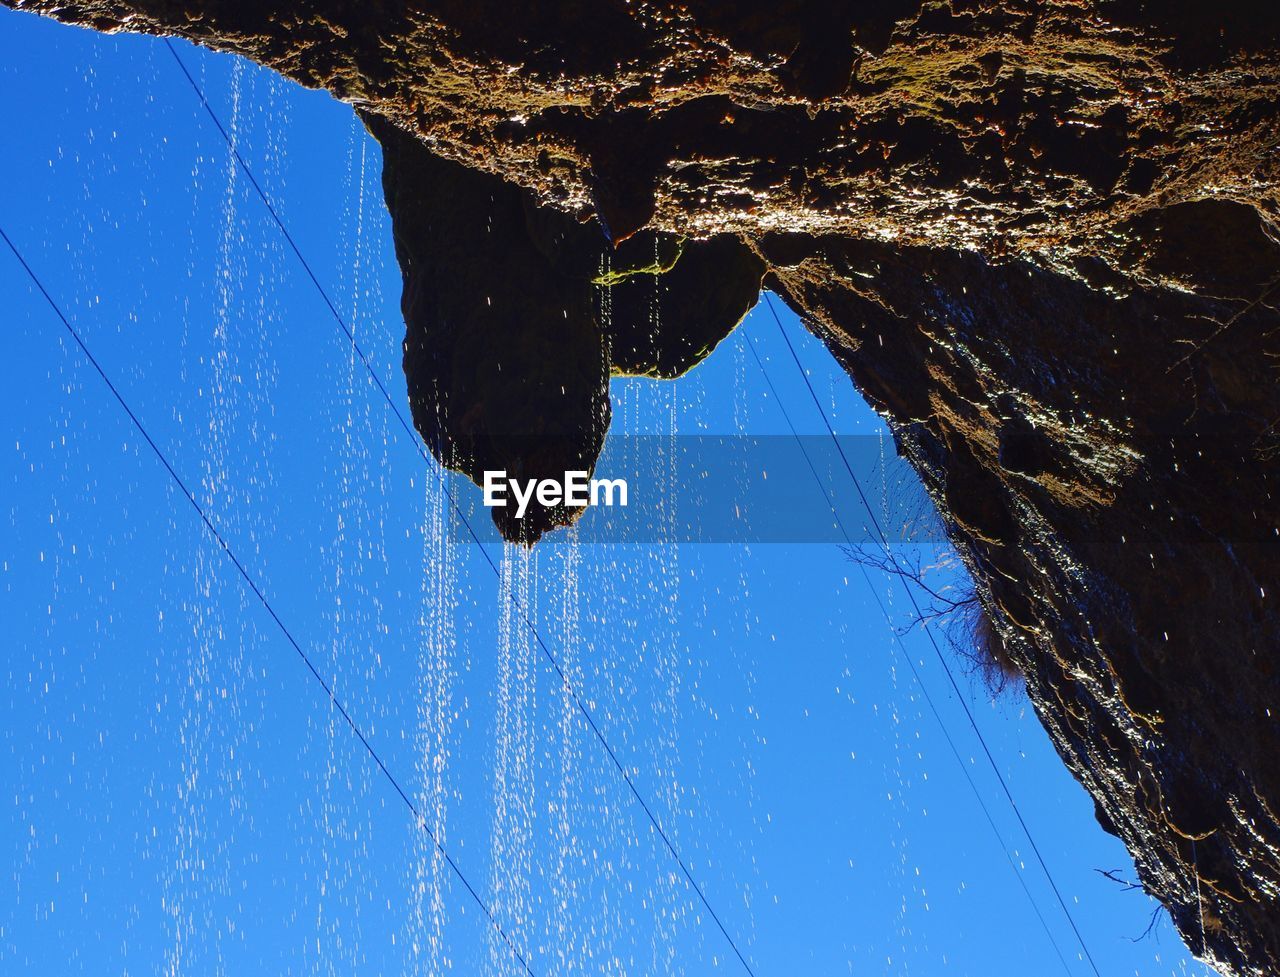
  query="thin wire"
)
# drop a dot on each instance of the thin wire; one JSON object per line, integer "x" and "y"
{"x": 337, "y": 703}
{"x": 417, "y": 442}
{"x": 884, "y": 543}
{"x": 906, "y": 656}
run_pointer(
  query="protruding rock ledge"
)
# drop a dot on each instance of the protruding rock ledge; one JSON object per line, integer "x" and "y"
{"x": 1041, "y": 236}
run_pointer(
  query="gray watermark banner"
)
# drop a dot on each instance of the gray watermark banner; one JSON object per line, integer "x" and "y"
{"x": 731, "y": 489}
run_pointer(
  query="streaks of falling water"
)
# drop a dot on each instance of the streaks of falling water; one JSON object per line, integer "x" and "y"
{"x": 359, "y": 562}
{"x": 566, "y": 838}
{"x": 428, "y": 917}
{"x": 198, "y": 878}
{"x": 635, "y": 667}
{"x": 665, "y": 665}
{"x": 899, "y": 841}
{"x": 596, "y": 853}
{"x": 514, "y": 782}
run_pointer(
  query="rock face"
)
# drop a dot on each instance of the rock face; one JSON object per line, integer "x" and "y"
{"x": 1041, "y": 237}
{"x": 517, "y": 315}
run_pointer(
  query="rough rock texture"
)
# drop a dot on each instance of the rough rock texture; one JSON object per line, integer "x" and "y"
{"x": 517, "y": 315}
{"x": 1041, "y": 237}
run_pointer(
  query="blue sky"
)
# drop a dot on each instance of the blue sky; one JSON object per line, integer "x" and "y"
{"x": 179, "y": 796}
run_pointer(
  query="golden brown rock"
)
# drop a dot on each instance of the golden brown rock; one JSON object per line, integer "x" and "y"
{"x": 1041, "y": 237}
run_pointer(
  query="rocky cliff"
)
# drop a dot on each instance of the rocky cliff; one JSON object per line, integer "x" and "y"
{"x": 1042, "y": 237}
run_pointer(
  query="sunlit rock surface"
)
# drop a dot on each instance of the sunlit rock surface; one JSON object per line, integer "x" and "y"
{"x": 1041, "y": 237}
{"x": 516, "y": 316}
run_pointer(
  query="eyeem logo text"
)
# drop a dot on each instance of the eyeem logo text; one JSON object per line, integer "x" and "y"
{"x": 577, "y": 490}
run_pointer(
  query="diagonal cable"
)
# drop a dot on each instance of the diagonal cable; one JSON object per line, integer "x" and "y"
{"x": 257, "y": 591}
{"x": 547, "y": 653}
{"x": 884, "y": 543}
{"x": 906, "y": 656}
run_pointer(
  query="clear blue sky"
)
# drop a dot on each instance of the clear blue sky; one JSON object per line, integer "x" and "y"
{"x": 177, "y": 795}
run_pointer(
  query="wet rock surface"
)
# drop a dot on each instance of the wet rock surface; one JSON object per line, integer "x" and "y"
{"x": 517, "y": 315}
{"x": 1041, "y": 238}
{"x": 1106, "y": 464}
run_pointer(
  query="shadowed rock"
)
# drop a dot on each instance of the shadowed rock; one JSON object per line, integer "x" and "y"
{"x": 1040, "y": 236}
{"x": 507, "y": 353}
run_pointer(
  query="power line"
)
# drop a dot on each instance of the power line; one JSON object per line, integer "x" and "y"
{"x": 884, "y": 543}
{"x": 906, "y": 656}
{"x": 252, "y": 584}
{"x": 417, "y": 442}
